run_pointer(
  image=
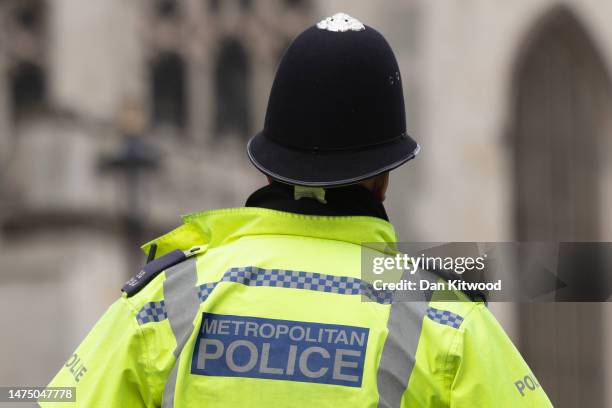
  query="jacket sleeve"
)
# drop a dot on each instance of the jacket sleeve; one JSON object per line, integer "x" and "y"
{"x": 491, "y": 371}
{"x": 110, "y": 367}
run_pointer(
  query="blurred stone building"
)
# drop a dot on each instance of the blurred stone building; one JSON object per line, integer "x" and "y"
{"x": 510, "y": 101}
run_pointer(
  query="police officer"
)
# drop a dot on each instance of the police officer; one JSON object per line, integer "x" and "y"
{"x": 263, "y": 306}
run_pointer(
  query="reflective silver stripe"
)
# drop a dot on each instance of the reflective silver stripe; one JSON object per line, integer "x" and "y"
{"x": 182, "y": 304}
{"x": 399, "y": 352}
{"x": 170, "y": 388}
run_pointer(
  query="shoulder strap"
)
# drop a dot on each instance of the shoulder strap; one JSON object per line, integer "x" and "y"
{"x": 151, "y": 270}
{"x": 155, "y": 266}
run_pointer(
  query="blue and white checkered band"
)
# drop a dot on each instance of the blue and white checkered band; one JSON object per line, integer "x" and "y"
{"x": 280, "y": 278}
{"x": 283, "y": 278}
{"x": 444, "y": 317}
{"x": 152, "y": 312}
{"x": 384, "y": 297}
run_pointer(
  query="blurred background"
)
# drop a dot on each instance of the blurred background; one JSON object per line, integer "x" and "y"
{"x": 118, "y": 116}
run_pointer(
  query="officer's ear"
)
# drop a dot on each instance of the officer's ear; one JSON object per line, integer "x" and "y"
{"x": 378, "y": 186}
{"x": 382, "y": 183}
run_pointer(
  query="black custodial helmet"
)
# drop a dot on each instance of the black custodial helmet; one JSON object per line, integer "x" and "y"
{"x": 336, "y": 112}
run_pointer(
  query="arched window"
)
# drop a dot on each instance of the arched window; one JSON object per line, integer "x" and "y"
{"x": 559, "y": 83}
{"x": 562, "y": 94}
{"x": 28, "y": 89}
{"x": 232, "y": 90}
{"x": 169, "y": 90}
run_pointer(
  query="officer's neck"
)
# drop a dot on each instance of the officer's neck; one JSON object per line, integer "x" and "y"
{"x": 354, "y": 200}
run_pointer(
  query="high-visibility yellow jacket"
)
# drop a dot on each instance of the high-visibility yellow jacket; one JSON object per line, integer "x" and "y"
{"x": 267, "y": 311}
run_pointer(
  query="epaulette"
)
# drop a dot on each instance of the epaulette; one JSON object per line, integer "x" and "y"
{"x": 474, "y": 294}
{"x": 155, "y": 266}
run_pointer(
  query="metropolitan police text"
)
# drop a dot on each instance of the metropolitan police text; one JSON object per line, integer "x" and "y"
{"x": 280, "y": 349}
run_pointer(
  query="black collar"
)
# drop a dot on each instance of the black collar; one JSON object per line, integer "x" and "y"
{"x": 341, "y": 201}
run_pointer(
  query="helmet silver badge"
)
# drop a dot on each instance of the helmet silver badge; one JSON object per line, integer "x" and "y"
{"x": 340, "y": 22}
